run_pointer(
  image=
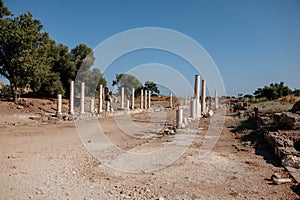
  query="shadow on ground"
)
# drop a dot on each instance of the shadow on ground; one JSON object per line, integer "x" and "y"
{"x": 251, "y": 131}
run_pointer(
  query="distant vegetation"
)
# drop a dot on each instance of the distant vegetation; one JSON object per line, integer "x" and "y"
{"x": 31, "y": 61}
{"x": 270, "y": 92}
{"x": 129, "y": 81}
{"x": 275, "y": 91}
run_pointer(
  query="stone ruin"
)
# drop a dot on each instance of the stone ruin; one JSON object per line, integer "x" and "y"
{"x": 286, "y": 140}
{"x": 198, "y": 106}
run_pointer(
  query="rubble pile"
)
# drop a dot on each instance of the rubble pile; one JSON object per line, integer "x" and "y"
{"x": 169, "y": 129}
{"x": 286, "y": 140}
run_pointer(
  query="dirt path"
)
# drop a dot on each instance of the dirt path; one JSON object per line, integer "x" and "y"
{"x": 49, "y": 162}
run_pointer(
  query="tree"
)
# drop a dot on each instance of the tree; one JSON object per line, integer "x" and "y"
{"x": 151, "y": 86}
{"x": 22, "y": 59}
{"x": 83, "y": 58}
{"x": 296, "y": 92}
{"x": 273, "y": 91}
{"x": 127, "y": 81}
{"x": 4, "y": 10}
{"x": 62, "y": 64}
{"x": 92, "y": 80}
{"x": 249, "y": 96}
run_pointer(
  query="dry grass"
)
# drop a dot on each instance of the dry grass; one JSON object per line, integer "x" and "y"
{"x": 270, "y": 107}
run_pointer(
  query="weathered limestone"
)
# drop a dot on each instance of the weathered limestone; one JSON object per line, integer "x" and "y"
{"x": 193, "y": 108}
{"x": 197, "y": 95}
{"x": 197, "y": 87}
{"x": 171, "y": 101}
{"x": 142, "y": 99}
{"x": 179, "y": 118}
{"x": 92, "y": 106}
{"x": 296, "y": 107}
{"x": 291, "y": 161}
{"x": 149, "y": 99}
{"x": 101, "y": 99}
{"x": 82, "y": 98}
{"x": 122, "y": 97}
{"x": 145, "y": 99}
{"x": 291, "y": 120}
{"x": 203, "y": 97}
{"x": 127, "y": 104}
{"x": 71, "y": 108}
{"x": 216, "y": 100}
{"x": 185, "y": 121}
{"x": 132, "y": 99}
{"x": 107, "y": 106}
{"x": 59, "y": 104}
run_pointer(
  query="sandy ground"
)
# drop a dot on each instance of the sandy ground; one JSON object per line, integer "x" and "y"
{"x": 48, "y": 161}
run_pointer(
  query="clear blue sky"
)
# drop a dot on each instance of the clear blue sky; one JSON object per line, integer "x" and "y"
{"x": 253, "y": 43}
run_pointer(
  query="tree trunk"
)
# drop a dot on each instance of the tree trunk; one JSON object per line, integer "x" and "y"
{"x": 14, "y": 90}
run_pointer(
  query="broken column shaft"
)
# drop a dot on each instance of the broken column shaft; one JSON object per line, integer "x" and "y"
{"x": 132, "y": 99}
{"x": 179, "y": 118}
{"x": 71, "y": 108}
{"x": 59, "y": 104}
{"x": 142, "y": 99}
{"x": 82, "y": 98}
{"x": 203, "y": 97}
{"x": 101, "y": 98}
{"x": 145, "y": 99}
{"x": 122, "y": 97}
{"x": 149, "y": 99}
{"x": 197, "y": 95}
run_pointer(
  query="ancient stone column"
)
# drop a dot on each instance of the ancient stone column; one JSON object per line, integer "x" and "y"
{"x": 82, "y": 98}
{"x": 101, "y": 99}
{"x": 203, "y": 97}
{"x": 179, "y": 118}
{"x": 197, "y": 95}
{"x": 145, "y": 99}
{"x": 92, "y": 106}
{"x": 216, "y": 100}
{"x": 198, "y": 109}
{"x": 197, "y": 87}
{"x": 193, "y": 108}
{"x": 59, "y": 104}
{"x": 171, "y": 101}
{"x": 107, "y": 106}
{"x": 142, "y": 99}
{"x": 127, "y": 104}
{"x": 132, "y": 99}
{"x": 122, "y": 97}
{"x": 71, "y": 108}
{"x": 149, "y": 99}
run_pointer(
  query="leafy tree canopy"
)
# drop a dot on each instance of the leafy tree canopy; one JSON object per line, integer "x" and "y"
{"x": 273, "y": 91}
{"x": 127, "y": 81}
{"x": 30, "y": 59}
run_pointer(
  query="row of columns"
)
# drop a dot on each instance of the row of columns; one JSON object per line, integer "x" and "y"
{"x": 200, "y": 108}
{"x": 145, "y": 100}
{"x": 196, "y": 108}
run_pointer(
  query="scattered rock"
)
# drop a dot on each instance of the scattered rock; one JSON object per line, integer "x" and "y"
{"x": 20, "y": 107}
{"x": 291, "y": 120}
{"x": 276, "y": 175}
{"x": 296, "y": 107}
{"x": 279, "y": 181}
{"x": 291, "y": 161}
{"x": 277, "y": 117}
